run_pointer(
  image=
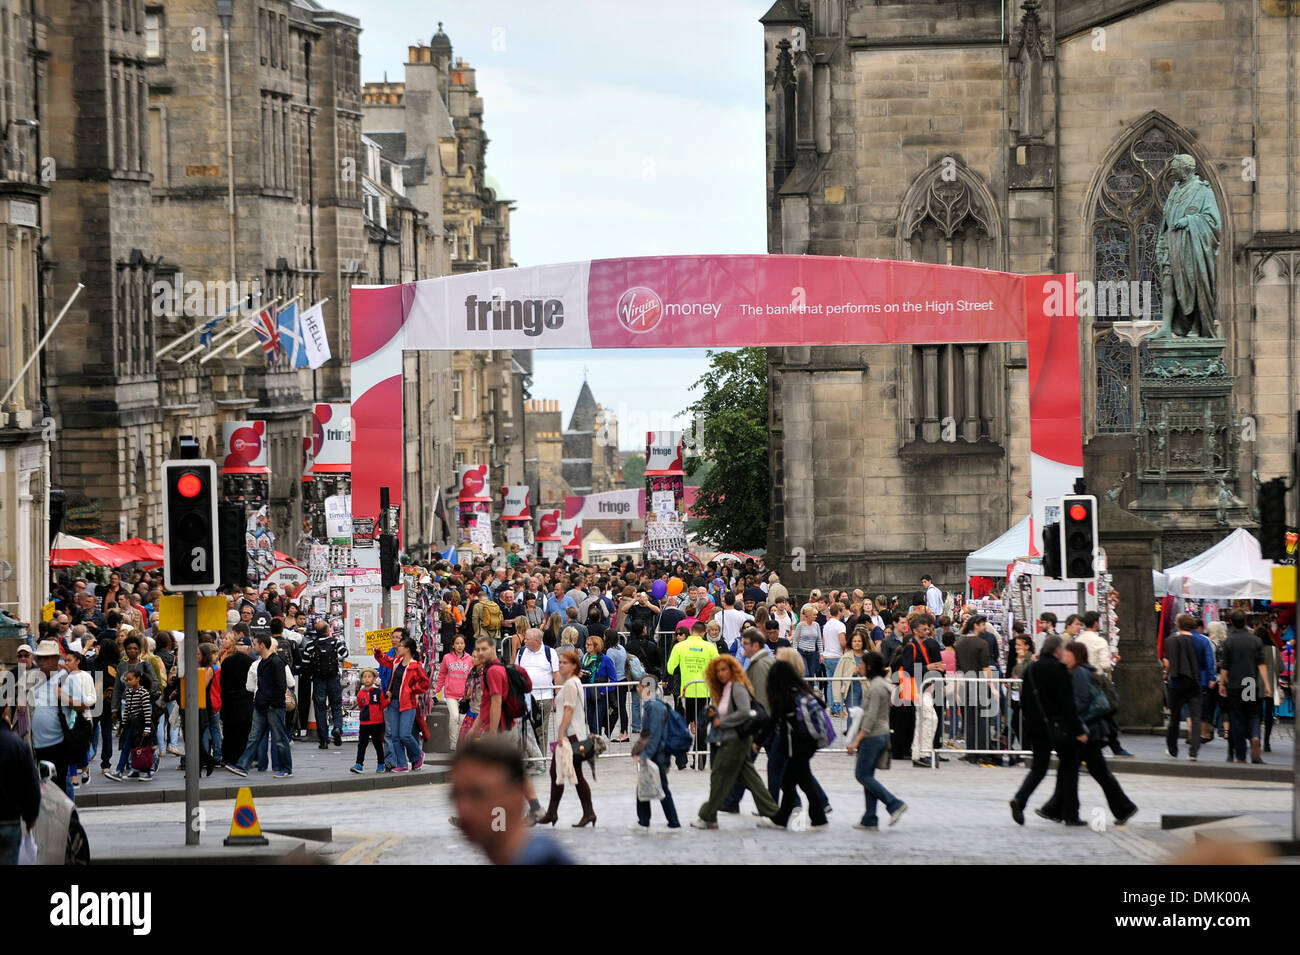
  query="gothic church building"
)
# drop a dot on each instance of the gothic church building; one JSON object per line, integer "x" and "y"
{"x": 1024, "y": 137}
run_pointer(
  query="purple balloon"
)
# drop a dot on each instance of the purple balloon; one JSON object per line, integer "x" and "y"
{"x": 659, "y": 589}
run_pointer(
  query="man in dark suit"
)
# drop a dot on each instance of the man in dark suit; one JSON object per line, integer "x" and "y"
{"x": 1051, "y": 722}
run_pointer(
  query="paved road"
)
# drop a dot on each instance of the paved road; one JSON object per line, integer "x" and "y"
{"x": 958, "y": 815}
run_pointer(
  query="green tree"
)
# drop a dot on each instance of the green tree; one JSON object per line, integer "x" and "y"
{"x": 634, "y": 472}
{"x": 731, "y": 435}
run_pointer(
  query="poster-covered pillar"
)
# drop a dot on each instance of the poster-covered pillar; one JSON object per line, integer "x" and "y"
{"x": 571, "y": 538}
{"x": 474, "y": 507}
{"x": 330, "y": 454}
{"x": 665, "y": 494}
{"x": 548, "y": 534}
{"x": 517, "y": 519}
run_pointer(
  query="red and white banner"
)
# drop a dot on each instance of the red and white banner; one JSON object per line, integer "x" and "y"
{"x": 663, "y": 452}
{"x": 570, "y": 534}
{"x": 716, "y": 301}
{"x": 245, "y": 447}
{"x": 548, "y": 525}
{"x": 515, "y": 503}
{"x": 331, "y": 437}
{"x": 616, "y": 505}
{"x": 471, "y": 483}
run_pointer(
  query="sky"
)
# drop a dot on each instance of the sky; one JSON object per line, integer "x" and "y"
{"x": 619, "y": 128}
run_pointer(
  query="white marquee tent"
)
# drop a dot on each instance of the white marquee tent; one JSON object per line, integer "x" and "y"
{"x": 991, "y": 560}
{"x": 1230, "y": 570}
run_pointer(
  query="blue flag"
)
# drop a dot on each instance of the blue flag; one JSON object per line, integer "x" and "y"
{"x": 291, "y": 343}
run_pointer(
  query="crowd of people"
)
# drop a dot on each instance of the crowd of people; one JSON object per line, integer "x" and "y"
{"x": 703, "y": 667}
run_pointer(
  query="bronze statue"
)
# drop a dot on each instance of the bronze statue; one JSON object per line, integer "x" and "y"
{"x": 1186, "y": 254}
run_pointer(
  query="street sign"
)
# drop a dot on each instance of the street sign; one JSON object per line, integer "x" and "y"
{"x": 191, "y": 557}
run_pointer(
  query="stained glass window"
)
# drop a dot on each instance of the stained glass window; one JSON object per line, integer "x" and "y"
{"x": 1125, "y": 227}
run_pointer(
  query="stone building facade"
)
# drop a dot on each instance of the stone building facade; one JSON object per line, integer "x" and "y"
{"x": 544, "y": 455}
{"x": 25, "y": 311}
{"x": 405, "y": 244}
{"x": 939, "y": 132}
{"x": 139, "y": 136}
{"x": 431, "y": 123}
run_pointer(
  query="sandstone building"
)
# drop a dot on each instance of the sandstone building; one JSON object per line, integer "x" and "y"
{"x": 26, "y": 310}
{"x": 431, "y": 124}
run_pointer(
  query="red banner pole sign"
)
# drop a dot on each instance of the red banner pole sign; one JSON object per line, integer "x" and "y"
{"x": 718, "y": 301}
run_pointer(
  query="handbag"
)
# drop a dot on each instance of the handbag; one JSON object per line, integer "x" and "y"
{"x": 76, "y": 738}
{"x": 290, "y": 701}
{"x": 886, "y": 758}
{"x": 143, "y": 758}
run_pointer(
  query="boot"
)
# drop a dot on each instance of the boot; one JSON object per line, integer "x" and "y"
{"x": 549, "y": 818}
{"x": 588, "y": 813}
{"x": 1254, "y": 751}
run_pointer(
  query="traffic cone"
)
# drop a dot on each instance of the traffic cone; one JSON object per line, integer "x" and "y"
{"x": 245, "y": 830}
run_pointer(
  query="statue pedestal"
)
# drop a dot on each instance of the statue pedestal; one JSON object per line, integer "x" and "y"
{"x": 1187, "y": 445}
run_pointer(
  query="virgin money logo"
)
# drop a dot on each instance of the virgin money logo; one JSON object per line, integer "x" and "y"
{"x": 472, "y": 483}
{"x": 640, "y": 310}
{"x": 548, "y": 524}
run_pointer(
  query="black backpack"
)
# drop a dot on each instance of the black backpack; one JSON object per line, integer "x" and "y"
{"x": 325, "y": 658}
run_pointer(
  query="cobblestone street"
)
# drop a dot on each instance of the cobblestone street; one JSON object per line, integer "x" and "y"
{"x": 957, "y": 815}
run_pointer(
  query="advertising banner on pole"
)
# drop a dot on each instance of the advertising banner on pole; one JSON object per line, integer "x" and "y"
{"x": 515, "y": 503}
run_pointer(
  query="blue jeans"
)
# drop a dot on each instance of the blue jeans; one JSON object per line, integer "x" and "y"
{"x": 865, "y": 773}
{"x": 11, "y": 838}
{"x": 128, "y": 742}
{"x": 210, "y": 737}
{"x": 811, "y": 664}
{"x": 670, "y": 810}
{"x": 634, "y": 711}
{"x": 399, "y": 735}
{"x": 268, "y": 722}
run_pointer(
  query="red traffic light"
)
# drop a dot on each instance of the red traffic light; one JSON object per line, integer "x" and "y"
{"x": 189, "y": 485}
{"x": 1078, "y": 512}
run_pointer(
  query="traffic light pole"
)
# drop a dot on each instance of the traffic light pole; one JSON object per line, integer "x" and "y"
{"x": 386, "y": 618}
{"x": 192, "y": 744}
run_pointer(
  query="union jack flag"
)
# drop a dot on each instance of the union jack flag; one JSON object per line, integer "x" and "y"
{"x": 268, "y": 331}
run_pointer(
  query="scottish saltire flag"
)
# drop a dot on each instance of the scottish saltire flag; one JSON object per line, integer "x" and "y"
{"x": 291, "y": 340}
{"x": 264, "y": 324}
{"x": 449, "y": 553}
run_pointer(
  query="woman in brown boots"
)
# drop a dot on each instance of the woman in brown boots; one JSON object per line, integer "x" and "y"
{"x": 573, "y": 719}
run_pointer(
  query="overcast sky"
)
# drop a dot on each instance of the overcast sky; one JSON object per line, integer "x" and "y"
{"x": 619, "y": 128}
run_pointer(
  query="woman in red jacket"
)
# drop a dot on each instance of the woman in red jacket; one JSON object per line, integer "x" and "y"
{"x": 401, "y": 704}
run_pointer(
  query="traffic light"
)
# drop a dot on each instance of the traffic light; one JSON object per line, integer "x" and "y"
{"x": 1052, "y": 550}
{"x": 390, "y": 566}
{"x": 1078, "y": 536}
{"x": 1272, "y": 519}
{"x": 232, "y": 543}
{"x": 190, "y": 557}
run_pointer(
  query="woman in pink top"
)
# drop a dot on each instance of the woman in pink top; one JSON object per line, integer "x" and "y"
{"x": 452, "y": 674}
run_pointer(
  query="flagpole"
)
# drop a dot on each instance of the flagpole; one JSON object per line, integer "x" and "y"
{"x": 214, "y": 352}
{"x": 196, "y": 331}
{"x": 50, "y": 331}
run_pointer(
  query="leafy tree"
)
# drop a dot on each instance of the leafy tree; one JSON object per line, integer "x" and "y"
{"x": 634, "y": 472}
{"x": 731, "y": 435}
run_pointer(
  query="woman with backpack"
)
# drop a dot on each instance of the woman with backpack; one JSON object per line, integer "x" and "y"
{"x": 731, "y": 718}
{"x": 653, "y": 750}
{"x": 565, "y": 770}
{"x": 871, "y": 740}
{"x": 1096, "y": 714}
{"x": 789, "y": 695}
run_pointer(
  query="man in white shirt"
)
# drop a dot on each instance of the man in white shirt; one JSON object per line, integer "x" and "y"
{"x": 542, "y": 664}
{"x": 833, "y": 638}
{"x": 783, "y": 617}
{"x": 733, "y": 621}
{"x": 933, "y": 597}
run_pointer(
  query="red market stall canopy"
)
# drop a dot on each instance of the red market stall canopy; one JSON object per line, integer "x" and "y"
{"x": 141, "y": 550}
{"x": 68, "y": 551}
